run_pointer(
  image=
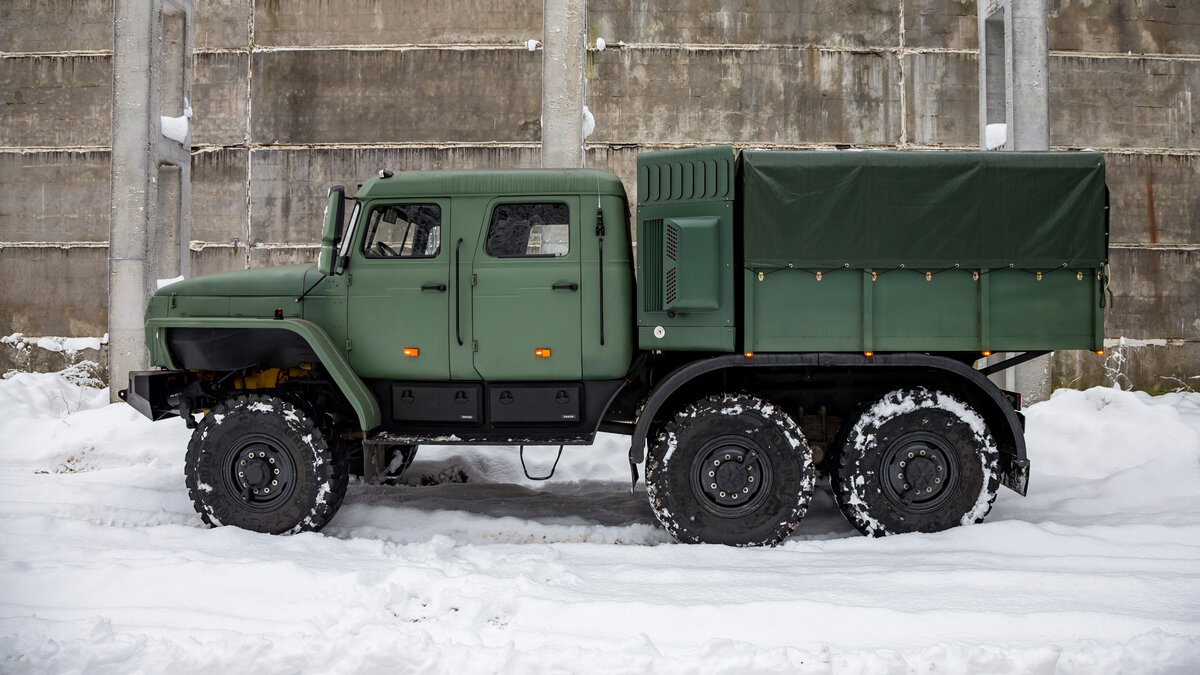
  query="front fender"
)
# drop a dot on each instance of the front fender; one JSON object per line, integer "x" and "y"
{"x": 331, "y": 357}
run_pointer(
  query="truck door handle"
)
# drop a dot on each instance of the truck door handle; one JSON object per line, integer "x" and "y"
{"x": 565, "y": 287}
{"x": 434, "y": 287}
{"x": 457, "y": 285}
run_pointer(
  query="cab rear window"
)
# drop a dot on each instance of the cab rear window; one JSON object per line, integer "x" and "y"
{"x": 529, "y": 230}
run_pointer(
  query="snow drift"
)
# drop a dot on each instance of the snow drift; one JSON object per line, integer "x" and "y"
{"x": 104, "y": 567}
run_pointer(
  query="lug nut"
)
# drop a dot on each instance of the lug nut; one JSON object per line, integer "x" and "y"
{"x": 910, "y": 455}
{"x": 906, "y": 486}
{"x": 711, "y": 474}
{"x": 929, "y": 489}
{"x": 727, "y": 458}
{"x": 243, "y": 462}
{"x": 900, "y": 476}
{"x": 713, "y": 486}
{"x": 277, "y": 471}
{"x": 902, "y": 463}
{"x": 274, "y": 482}
{"x": 266, "y": 489}
{"x": 745, "y": 490}
{"x": 240, "y": 475}
{"x": 716, "y": 462}
{"x": 922, "y": 453}
{"x": 272, "y": 460}
{"x": 937, "y": 480}
{"x": 749, "y": 479}
{"x": 722, "y": 494}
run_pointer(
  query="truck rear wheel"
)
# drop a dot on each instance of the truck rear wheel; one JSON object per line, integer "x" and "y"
{"x": 730, "y": 470}
{"x": 916, "y": 461}
{"x": 262, "y": 463}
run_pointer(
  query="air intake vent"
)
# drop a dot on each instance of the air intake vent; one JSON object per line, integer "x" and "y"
{"x": 672, "y": 243}
{"x": 672, "y": 275}
{"x": 650, "y": 240}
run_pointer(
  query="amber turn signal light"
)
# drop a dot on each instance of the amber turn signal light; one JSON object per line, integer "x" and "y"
{"x": 868, "y": 354}
{"x": 412, "y": 351}
{"x": 1099, "y": 352}
{"x": 987, "y": 353}
{"x": 749, "y": 355}
{"x": 543, "y": 353}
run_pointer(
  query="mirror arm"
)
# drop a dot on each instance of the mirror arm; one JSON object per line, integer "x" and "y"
{"x": 314, "y": 285}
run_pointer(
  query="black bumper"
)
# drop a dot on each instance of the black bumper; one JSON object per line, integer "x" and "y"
{"x": 154, "y": 393}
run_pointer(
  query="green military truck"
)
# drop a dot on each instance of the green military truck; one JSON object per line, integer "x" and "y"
{"x": 794, "y": 312}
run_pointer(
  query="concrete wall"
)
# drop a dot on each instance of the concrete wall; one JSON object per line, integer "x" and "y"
{"x": 293, "y": 96}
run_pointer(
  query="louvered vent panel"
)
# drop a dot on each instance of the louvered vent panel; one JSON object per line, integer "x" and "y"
{"x": 651, "y": 279}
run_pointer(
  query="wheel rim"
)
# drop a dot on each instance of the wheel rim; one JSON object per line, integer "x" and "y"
{"x": 730, "y": 476}
{"x": 921, "y": 472}
{"x": 260, "y": 471}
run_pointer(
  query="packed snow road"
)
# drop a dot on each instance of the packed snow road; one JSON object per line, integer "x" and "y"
{"x": 105, "y": 567}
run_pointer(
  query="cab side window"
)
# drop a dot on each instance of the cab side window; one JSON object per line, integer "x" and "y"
{"x": 403, "y": 231}
{"x": 529, "y": 230}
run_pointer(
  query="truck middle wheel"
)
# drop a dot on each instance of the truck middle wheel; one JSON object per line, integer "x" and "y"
{"x": 730, "y": 470}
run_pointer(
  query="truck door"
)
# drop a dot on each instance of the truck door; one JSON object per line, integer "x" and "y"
{"x": 525, "y": 302}
{"x": 398, "y": 307}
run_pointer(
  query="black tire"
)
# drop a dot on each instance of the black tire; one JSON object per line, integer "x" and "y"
{"x": 251, "y": 446}
{"x": 755, "y": 455}
{"x": 916, "y": 461}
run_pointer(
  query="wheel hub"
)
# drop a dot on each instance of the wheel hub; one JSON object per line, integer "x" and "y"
{"x": 729, "y": 474}
{"x": 261, "y": 472}
{"x": 921, "y": 471}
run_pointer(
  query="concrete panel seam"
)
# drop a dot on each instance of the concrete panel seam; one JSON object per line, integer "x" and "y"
{"x": 53, "y": 244}
{"x": 257, "y": 246}
{"x": 1110, "y": 56}
{"x": 1157, "y": 247}
{"x": 34, "y": 149}
{"x": 56, "y": 55}
{"x": 466, "y": 47}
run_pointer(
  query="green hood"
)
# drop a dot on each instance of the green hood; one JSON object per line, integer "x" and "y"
{"x": 262, "y": 281}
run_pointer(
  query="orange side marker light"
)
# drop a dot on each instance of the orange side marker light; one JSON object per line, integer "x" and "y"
{"x": 412, "y": 351}
{"x": 542, "y": 353}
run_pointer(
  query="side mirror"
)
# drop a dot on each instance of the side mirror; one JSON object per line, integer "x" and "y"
{"x": 331, "y": 231}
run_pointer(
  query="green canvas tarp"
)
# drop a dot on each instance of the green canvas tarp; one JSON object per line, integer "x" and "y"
{"x": 882, "y": 209}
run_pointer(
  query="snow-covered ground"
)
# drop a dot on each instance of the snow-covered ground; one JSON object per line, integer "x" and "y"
{"x": 104, "y": 567}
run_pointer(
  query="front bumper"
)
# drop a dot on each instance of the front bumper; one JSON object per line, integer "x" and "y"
{"x": 154, "y": 393}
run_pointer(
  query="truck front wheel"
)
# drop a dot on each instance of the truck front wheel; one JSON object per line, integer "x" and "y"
{"x": 916, "y": 461}
{"x": 262, "y": 463}
{"x": 730, "y": 470}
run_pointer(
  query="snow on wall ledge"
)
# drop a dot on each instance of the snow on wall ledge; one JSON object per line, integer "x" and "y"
{"x": 21, "y": 353}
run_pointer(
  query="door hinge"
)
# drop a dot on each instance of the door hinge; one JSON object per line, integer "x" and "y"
{"x": 474, "y": 279}
{"x": 347, "y": 345}
{"x": 474, "y": 345}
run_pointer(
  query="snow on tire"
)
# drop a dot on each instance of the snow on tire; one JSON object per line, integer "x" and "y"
{"x": 730, "y": 470}
{"x": 261, "y": 463}
{"x": 916, "y": 461}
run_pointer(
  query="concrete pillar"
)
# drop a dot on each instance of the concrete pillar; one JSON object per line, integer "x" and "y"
{"x": 564, "y": 56}
{"x": 151, "y": 173}
{"x": 1014, "y": 66}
